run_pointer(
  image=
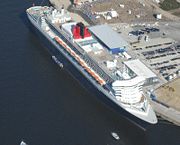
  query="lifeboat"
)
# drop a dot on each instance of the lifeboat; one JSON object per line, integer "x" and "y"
{"x": 80, "y": 61}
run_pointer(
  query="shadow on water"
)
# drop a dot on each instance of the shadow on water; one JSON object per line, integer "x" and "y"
{"x": 44, "y": 105}
{"x": 163, "y": 133}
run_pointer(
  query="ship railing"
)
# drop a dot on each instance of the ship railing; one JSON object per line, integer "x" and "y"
{"x": 81, "y": 53}
{"x": 33, "y": 16}
{"x": 96, "y": 68}
{"x": 102, "y": 73}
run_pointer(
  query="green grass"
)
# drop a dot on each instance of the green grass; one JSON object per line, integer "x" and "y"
{"x": 169, "y": 5}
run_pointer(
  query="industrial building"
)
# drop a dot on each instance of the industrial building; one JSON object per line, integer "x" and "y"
{"x": 141, "y": 69}
{"x": 109, "y": 38}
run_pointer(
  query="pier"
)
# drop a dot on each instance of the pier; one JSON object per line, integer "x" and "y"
{"x": 166, "y": 101}
{"x": 167, "y": 113}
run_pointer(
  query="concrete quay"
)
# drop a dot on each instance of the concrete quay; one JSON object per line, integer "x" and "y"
{"x": 166, "y": 101}
{"x": 167, "y": 113}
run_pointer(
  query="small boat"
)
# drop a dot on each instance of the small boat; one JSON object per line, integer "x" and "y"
{"x": 57, "y": 61}
{"x": 23, "y": 143}
{"x": 115, "y": 135}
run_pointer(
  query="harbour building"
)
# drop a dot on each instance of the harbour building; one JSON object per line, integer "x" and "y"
{"x": 109, "y": 38}
{"x": 140, "y": 69}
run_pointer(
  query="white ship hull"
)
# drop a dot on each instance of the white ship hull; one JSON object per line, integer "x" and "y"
{"x": 148, "y": 116}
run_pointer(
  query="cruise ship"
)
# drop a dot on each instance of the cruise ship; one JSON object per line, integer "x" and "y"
{"x": 84, "y": 53}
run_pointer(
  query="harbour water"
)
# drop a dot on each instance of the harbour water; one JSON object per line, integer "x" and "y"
{"x": 44, "y": 105}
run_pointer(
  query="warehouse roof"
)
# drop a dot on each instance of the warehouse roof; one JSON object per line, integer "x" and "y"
{"x": 108, "y": 36}
{"x": 139, "y": 68}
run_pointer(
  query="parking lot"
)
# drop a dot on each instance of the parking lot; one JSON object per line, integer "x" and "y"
{"x": 164, "y": 60}
{"x": 150, "y": 44}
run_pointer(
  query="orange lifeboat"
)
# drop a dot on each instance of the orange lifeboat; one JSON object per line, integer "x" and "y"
{"x": 80, "y": 61}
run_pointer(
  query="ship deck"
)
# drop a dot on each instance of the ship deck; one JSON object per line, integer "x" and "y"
{"x": 96, "y": 58}
{"x": 99, "y": 56}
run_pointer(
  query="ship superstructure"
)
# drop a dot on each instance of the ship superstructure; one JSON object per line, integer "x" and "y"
{"x": 100, "y": 66}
